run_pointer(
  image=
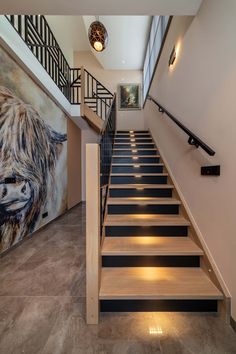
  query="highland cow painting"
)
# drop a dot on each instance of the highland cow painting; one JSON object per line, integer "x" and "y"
{"x": 33, "y": 176}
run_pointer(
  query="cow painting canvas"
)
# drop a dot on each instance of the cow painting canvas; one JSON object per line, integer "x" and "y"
{"x": 29, "y": 150}
{"x": 33, "y": 151}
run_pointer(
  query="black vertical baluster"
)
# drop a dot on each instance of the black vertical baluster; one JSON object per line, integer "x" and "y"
{"x": 49, "y": 54}
{"x": 12, "y": 19}
{"x": 45, "y": 41}
{"x": 97, "y": 101}
{"x": 26, "y": 29}
{"x": 59, "y": 64}
{"x": 40, "y": 34}
{"x": 72, "y": 85}
{"x": 87, "y": 83}
{"x": 19, "y": 25}
{"x": 79, "y": 86}
{"x": 36, "y": 39}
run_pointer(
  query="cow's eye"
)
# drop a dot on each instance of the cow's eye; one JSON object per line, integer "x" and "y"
{"x": 4, "y": 192}
{"x": 23, "y": 189}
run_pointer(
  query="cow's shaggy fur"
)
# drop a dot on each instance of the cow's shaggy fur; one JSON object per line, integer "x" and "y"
{"x": 29, "y": 150}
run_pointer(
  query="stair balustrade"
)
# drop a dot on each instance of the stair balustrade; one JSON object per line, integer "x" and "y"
{"x": 77, "y": 87}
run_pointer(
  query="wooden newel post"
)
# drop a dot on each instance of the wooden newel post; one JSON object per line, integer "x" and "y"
{"x": 93, "y": 259}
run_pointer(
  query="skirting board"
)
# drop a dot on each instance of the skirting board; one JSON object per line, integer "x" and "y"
{"x": 215, "y": 274}
{"x": 233, "y": 323}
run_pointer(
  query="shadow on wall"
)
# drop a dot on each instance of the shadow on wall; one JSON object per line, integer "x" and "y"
{"x": 29, "y": 153}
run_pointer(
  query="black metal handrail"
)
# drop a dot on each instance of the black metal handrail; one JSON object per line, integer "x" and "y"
{"x": 106, "y": 142}
{"x": 193, "y": 139}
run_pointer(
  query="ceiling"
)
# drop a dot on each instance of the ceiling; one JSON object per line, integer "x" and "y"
{"x": 100, "y": 7}
{"x": 128, "y": 37}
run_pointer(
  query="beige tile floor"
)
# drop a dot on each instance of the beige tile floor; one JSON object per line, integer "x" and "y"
{"x": 42, "y": 306}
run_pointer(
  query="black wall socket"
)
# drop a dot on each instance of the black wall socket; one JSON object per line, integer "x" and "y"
{"x": 210, "y": 170}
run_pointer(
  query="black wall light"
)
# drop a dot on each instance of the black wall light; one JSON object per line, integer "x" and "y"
{"x": 172, "y": 57}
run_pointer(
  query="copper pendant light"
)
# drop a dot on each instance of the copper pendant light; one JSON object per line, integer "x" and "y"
{"x": 98, "y": 36}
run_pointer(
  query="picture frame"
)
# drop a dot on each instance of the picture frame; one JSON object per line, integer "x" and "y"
{"x": 129, "y": 97}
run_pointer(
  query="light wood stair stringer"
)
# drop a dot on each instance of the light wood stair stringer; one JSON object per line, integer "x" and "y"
{"x": 207, "y": 262}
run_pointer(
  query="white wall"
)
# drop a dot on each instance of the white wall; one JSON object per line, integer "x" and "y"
{"x": 110, "y": 79}
{"x": 70, "y": 34}
{"x": 200, "y": 90}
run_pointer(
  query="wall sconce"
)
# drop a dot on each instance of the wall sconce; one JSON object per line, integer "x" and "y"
{"x": 172, "y": 57}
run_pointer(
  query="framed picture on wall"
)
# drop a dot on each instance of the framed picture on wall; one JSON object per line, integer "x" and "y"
{"x": 129, "y": 97}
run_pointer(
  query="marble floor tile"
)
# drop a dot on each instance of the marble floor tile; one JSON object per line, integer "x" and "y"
{"x": 42, "y": 306}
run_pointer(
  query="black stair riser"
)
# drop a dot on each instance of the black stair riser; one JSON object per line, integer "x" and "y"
{"x": 158, "y": 305}
{"x": 129, "y": 141}
{"x": 127, "y": 136}
{"x": 139, "y": 152}
{"x": 137, "y": 161}
{"x": 139, "y": 146}
{"x": 127, "y": 193}
{"x": 143, "y": 209}
{"x": 138, "y": 180}
{"x": 166, "y": 231}
{"x": 151, "y": 261}
{"x": 140, "y": 169}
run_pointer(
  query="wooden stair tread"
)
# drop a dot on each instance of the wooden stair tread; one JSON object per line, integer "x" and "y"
{"x": 134, "y": 142}
{"x": 135, "y": 148}
{"x": 143, "y": 201}
{"x": 133, "y": 137}
{"x": 135, "y": 133}
{"x": 130, "y": 156}
{"x": 137, "y": 163}
{"x": 138, "y": 174}
{"x": 156, "y": 283}
{"x": 145, "y": 220}
{"x": 141, "y": 186}
{"x": 150, "y": 246}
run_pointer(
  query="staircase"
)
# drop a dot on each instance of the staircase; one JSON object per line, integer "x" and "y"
{"x": 150, "y": 261}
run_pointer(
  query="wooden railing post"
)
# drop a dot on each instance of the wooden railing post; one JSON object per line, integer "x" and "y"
{"x": 93, "y": 259}
{"x": 82, "y": 91}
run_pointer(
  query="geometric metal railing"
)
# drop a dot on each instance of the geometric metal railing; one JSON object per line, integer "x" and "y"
{"x": 96, "y": 96}
{"x": 36, "y": 33}
{"x": 106, "y": 142}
